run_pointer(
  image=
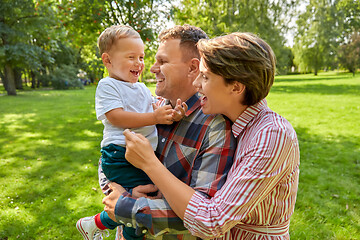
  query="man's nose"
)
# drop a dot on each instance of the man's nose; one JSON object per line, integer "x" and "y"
{"x": 155, "y": 68}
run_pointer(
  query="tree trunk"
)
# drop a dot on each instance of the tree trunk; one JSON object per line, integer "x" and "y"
{"x": 18, "y": 80}
{"x": 38, "y": 83}
{"x": 10, "y": 80}
{"x": 3, "y": 78}
{"x": 33, "y": 79}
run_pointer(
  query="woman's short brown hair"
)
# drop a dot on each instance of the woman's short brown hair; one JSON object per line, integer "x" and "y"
{"x": 109, "y": 36}
{"x": 241, "y": 57}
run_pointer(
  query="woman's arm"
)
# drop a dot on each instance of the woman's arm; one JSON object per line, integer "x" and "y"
{"x": 255, "y": 175}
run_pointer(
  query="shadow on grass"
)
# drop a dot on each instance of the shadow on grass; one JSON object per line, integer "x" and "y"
{"x": 49, "y": 150}
{"x": 319, "y": 89}
{"x": 328, "y": 195}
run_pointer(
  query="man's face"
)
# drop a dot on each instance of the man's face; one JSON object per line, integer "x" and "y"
{"x": 171, "y": 71}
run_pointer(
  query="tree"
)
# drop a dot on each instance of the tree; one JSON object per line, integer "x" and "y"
{"x": 269, "y": 19}
{"x": 19, "y": 46}
{"x": 316, "y": 41}
{"x": 349, "y": 12}
{"x": 321, "y": 29}
{"x": 349, "y": 53}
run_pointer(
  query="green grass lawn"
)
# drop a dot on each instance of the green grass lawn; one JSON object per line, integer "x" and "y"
{"x": 49, "y": 149}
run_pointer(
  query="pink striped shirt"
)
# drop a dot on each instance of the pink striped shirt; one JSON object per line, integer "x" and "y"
{"x": 258, "y": 198}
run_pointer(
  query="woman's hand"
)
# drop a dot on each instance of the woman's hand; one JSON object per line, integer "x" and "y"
{"x": 110, "y": 201}
{"x": 148, "y": 191}
{"x": 138, "y": 150}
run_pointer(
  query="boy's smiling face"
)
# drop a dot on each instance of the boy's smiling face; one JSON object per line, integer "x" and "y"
{"x": 125, "y": 60}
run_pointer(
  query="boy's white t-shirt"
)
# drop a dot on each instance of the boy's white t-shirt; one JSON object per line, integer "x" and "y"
{"x": 131, "y": 97}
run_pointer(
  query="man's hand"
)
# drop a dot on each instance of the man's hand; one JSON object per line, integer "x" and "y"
{"x": 145, "y": 191}
{"x": 110, "y": 201}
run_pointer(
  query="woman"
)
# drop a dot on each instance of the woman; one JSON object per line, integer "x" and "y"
{"x": 258, "y": 198}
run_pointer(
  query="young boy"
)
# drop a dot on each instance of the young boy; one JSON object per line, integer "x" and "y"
{"x": 122, "y": 102}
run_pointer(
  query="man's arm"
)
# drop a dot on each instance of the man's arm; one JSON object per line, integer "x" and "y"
{"x": 213, "y": 160}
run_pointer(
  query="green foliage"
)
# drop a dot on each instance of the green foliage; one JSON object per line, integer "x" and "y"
{"x": 350, "y": 21}
{"x": 349, "y": 54}
{"x": 321, "y": 29}
{"x": 316, "y": 35}
{"x": 38, "y": 36}
{"x": 63, "y": 54}
{"x": 29, "y": 37}
{"x": 65, "y": 77}
{"x": 24, "y": 55}
{"x": 21, "y": 43}
{"x": 268, "y": 19}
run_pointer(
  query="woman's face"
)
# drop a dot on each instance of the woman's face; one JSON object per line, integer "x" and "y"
{"x": 216, "y": 95}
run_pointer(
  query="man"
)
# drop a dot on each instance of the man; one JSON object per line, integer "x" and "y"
{"x": 198, "y": 149}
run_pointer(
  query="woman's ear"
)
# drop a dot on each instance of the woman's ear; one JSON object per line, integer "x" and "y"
{"x": 194, "y": 68}
{"x": 238, "y": 88}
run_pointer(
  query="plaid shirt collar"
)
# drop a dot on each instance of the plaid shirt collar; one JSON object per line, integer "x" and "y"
{"x": 246, "y": 117}
{"x": 193, "y": 103}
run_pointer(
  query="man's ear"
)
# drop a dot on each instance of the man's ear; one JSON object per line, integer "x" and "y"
{"x": 194, "y": 68}
{"x": 106, "y": 59}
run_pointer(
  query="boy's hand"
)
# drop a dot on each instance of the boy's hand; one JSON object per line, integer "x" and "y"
{"x": 111, "y": 200}
{"x": 179, "y": 110}
{"x": 164, "y": 115}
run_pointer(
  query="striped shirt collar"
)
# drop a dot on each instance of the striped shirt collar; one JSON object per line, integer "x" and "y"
{"x": 247, "y": 116}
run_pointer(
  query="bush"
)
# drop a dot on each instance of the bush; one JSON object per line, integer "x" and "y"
{"x": 65, "y": 77}
{"x": 44, "y": 79}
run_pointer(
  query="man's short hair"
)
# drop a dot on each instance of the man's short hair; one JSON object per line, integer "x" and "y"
{"x": 241, "y": 57}
{"x": 188, "y": 35}
{"x": 109, "y": 36}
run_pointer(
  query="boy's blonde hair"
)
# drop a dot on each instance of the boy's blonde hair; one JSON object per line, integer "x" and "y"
{"x": 109, "y": 36}
{"x": 241, "y": 57}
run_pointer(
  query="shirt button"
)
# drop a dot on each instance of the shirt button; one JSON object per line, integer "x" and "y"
{"x": 144, "y": 231}
{"x": 129, "y": 225}
{"x": 163, "y": 140}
